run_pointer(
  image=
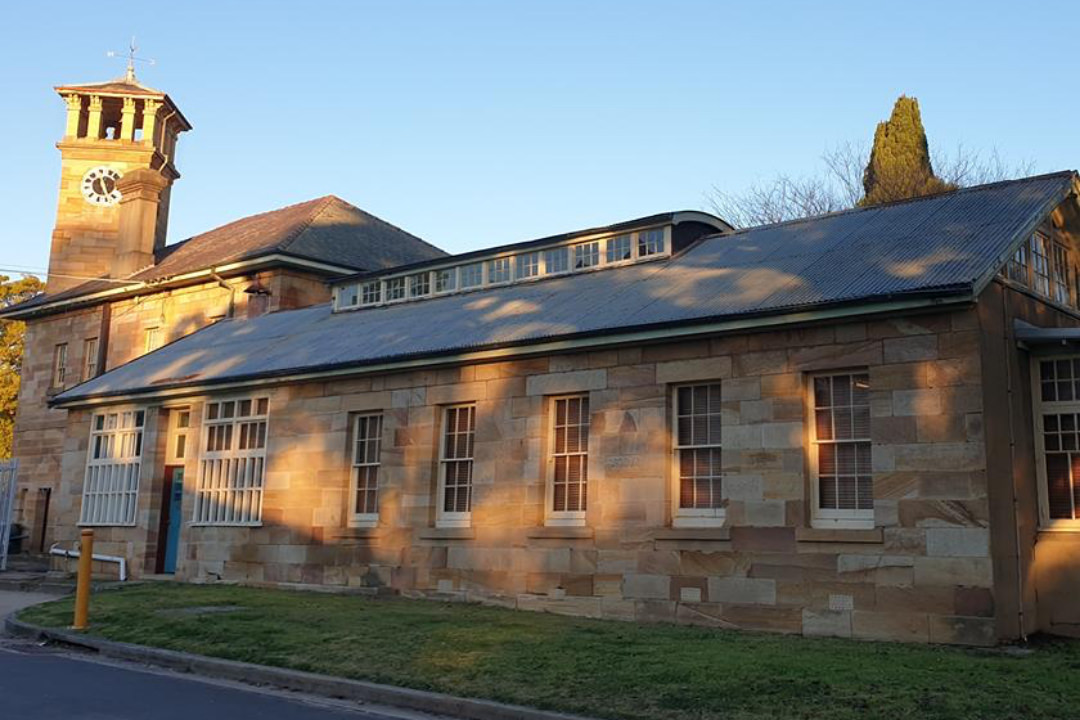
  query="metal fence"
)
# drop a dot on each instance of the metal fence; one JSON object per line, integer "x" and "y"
{"x": 7, "y": 506}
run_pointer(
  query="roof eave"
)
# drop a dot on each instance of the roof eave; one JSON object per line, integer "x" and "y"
{"x": 921, "y": 300}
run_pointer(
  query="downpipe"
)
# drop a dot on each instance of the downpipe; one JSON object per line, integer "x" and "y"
{"x": 54, "y": 549}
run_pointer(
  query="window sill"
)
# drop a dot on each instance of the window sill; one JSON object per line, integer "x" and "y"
{"x": 839, "y": 535}
{"x": 447, "y": 533}
{"x": 1070, "y": 532}
{"x": 560, "y": 532}
{"x": 719, "y": 534}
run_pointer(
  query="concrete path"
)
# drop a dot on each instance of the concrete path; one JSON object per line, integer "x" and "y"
{"x": 10, "y": 601}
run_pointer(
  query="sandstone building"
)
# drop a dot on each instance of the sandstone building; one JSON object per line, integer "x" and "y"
{"x": 862, "y": 424}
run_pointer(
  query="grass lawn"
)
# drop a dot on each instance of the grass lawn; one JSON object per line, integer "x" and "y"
{"x": 601, "y": 668}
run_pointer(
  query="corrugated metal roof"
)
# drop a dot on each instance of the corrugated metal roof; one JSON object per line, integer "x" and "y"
{"x": 941, "y": 245}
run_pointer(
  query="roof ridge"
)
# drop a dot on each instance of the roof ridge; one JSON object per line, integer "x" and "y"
{"x": 299, "y": 230}
{"x": 387, "y": 223}
{"x": 893, "y": 203}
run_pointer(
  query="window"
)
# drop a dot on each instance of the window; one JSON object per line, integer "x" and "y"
{"x": 1020, "y": 266}
{"x": 456, "y": 466}
{"x": 153, "y": 339}
{"x": 348, "y": 295}
{"x": 395, "y": 289}
{"x": 1056, "y": 427}
{"x": 419, "y": 284}
{"x": 697, "y": 464}
{"x": 586, "y": 255}
{"x": 367, "y": 443}
{"x": 59, "y": 374}
{"x": 499, "y": 270}
{"x": 445, "y": 280}
{"x": 619, "y": 249}
{"x": 90, "y": 358}
{"x": 568, "y": 493}
{"x": 111, "y": 484}
{"x": 472, "y": 275}
{"x": 233, "y": 463}
{"x": 528, "y": 265}
{"x": 1059, "y": 274}
{"x": 841, "y": 450}
{"x": 181, "y": 420}
{"x": 557, "y": 260}
{"x": 650, "y": 242}
{"x": 371, "y": 293}
{"x": 1040, "y": 263}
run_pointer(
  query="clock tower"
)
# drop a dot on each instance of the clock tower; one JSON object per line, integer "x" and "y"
{"x": 117, "y": 165}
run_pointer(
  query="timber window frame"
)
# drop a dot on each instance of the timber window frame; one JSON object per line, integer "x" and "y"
{"x": 841, "y": 449}
{"x": 457, "y": 444}
{"x": 59, "y": 366}
{"x": 567, "y": 486}
{"x": 697, "y": 455}
{"x": 110, "y": 491}
{"x": 1056, "y": 412}
{"x": 364, "y": 480}
{"x": 90, "y": 359}
{"x": 152, "y": 339}
{"x": 232, "y": 462}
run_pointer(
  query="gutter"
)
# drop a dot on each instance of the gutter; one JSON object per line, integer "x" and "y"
{"x": 586, "y": 342}
{"x": 150, "y": 286}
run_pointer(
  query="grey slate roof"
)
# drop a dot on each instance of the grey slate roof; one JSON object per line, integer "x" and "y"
{"x": 325, "y": 229}
{"x": 944, "y": 245}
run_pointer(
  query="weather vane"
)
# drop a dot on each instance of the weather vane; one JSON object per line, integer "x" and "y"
{"x": 131, "y": 59}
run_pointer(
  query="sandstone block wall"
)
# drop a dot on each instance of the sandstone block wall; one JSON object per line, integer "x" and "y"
{"x": 923, "y": 573}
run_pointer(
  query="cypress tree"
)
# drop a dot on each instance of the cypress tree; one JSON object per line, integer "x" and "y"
{"x": 899, "y": 166}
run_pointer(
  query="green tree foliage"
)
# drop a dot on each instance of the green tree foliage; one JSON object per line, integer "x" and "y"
{"x": 11, "y": 353}
{"x": 899, "y": 166}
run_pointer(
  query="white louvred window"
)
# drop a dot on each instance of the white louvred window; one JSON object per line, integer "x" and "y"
{"x": 456, "y": 466}
{"x": 113, "y": 462}
{"x": 232, "y": 467}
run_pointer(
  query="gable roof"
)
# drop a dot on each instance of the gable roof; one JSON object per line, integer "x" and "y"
{"x": 927, "y": 251}
{"x": 326, "y": 230}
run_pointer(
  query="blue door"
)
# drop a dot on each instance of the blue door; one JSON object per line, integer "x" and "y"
{"x": 172, "y": 535}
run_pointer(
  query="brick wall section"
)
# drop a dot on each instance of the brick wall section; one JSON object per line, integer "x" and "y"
{"x": 924, "y": 575}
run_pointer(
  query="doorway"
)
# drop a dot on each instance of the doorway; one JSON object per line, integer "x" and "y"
{"x": 171, "y": 518}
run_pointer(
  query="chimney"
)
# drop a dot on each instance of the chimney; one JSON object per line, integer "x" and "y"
{"x": 138, "y": 236}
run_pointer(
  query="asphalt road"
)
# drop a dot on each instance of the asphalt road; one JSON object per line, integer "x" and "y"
{"x": 43, "y": 683}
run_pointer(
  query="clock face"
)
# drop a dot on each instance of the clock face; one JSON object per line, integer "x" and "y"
{"x": 99, "y": 186}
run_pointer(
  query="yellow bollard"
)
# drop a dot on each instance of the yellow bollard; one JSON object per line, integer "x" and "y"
{"x": 82, "y": 588}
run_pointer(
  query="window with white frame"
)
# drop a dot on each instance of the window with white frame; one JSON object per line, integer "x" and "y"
{"x": 371, "y": 292}
{"x": 1019, "y": 268}
{"x": 472, "y": 275}
{"x": 59, "y": 373}
{"x": 569, "y": 476}
{"x": 445, "y": 280}
{"x": 1060, "y": 270}
{"x": 586, "y": 255}
{"x": 619, "y": 249}
{"x": 395, "y": 289}
{"x": 841, "y": 450}
{"x": 349, "y": 295}
{"x": 1057, "y": 430}
{"x": 557, "y": 260}
{"x": 499, "y": 270}
{"x": 697, "y": 455}
{"x": 113, "y": 461}
{"x": 1040, "y": 264}
{"x": 153, "y": 339}
{"x": 456, "y": 466}
{"x": 419, "y": 284}
{"x": 90, "y": 358}
{"x": 232, "y": 467}
{"x": 367, "y": 446}
{"x": 650, "y": 242}
{"x": 528, "y": 265}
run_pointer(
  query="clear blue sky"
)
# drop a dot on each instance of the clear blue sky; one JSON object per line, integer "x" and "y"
{"x": 475, "y": 123}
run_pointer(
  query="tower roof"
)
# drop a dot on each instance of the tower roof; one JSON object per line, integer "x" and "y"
{"x": 127, "y": 86}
